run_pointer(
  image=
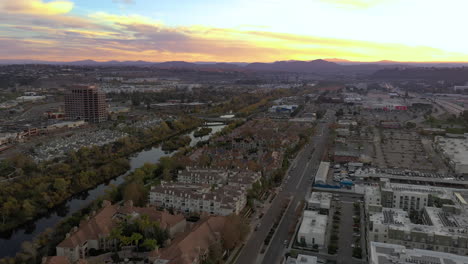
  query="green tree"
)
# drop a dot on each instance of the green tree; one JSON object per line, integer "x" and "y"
{"x": 167, "y": 176}
{"x": 9, "y": 208}
{"x": 60, "y": 185}
{"x": 28, "y": 208}
{"x": 136, "y": 237}
{"x": 115, "y": 235}
{"x": 149, "y": 244}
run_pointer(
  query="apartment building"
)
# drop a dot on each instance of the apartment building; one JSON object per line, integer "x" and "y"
{"x": 86, "y": 103}
{"x": 382, "y": 253}
{"x": 439, "y": 216}
{"x": 405, "y": 196}
{"x": 202, "y": 176}
{"x": 443, "y": 229}
{"x": 197, "y": 198}
{"x": 240, "y": 178}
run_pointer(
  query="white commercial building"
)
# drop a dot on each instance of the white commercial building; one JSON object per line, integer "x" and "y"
{"x": 319, "y": 200}
{"x": 455, "y": 151}
{"x": 460, "y": 87}
{"x": 66, "y": 124}
{"x": 31, "y": 98}
{"x": 313, "y": 229}
{"x": 382, "y": 253}
{"x": 322, "y": 173}
{"x": 302, "y": 259}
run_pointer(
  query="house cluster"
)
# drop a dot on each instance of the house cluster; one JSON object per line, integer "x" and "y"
{"x": 94, "y": 232}
{"x": 189, "y": 243}
{"x": 205, "y": 190}
{"x": 258, "y": 145}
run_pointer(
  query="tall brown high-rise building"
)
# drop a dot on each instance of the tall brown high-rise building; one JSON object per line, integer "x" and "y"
{"x": 86, "y": 103}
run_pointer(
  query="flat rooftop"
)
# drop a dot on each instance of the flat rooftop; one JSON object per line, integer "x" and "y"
{"x": 383, "y": 253}
{"x": 313, "y": 222}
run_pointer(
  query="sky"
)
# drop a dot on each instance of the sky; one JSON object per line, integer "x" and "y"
{"x": 234, "y": 30}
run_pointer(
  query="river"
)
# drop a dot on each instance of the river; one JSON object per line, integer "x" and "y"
{"x": 11, "y": 243}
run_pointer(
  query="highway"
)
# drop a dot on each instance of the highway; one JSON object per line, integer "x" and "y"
{"x": 298, "y": 182}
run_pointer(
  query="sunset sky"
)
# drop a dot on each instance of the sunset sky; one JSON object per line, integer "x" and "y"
{"x": 234, "y": 30}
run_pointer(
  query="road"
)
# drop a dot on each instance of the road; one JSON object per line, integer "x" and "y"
{"x": 297, "y": 184}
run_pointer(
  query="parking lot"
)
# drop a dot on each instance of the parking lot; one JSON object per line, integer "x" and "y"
{"x": 350, "y": 228}
{"x": 403, "y": 149}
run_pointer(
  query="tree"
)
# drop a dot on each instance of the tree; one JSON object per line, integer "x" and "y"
{"x": 28, "y": 252}
{"x": 115, "y": 235}
{"x": 28, "y": 208}
{"x": 136, "y": 237}
{"x": 149, "y": 244}
{"x": 332, "y": 249}
{"x": 60, "y": 185}
{"x": 410, "y": 125}
{"x": 167, "y": 176}
{"x": 357, "y": 252}
{"x": 135, "y": 192}
{"x": 339, "y": 112}
{"x": 234, "y": 231}
{"x": 125, "y": 241}
{"x": 145, "y": 225}
{"x": 215, "y": 254}
{"x": 9, "y": 208}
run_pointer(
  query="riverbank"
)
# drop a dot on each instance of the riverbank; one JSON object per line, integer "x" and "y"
{"x": 72, "y": 209}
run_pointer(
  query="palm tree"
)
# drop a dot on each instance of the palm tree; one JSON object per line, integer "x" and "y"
{"x": 125, "y": 241}
{"x": 150, "y": 244}
{"x": 135, "y": 238}
{"x": 144, "y": 224}
{"x": 116, "y": 236}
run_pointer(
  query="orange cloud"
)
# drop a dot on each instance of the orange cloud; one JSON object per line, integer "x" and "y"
{"x": 103, "y": 36}
{"x": 36, "y": 7}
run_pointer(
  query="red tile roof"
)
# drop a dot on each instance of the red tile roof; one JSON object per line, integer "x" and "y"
{"x": 104, "y": 221}
{"x": 189, "y": 246}
{"x": 56, "y": 260}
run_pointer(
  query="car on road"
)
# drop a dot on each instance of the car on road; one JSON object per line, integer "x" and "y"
{"x": 257, "y": 227}
{"x": 286, "y": 243}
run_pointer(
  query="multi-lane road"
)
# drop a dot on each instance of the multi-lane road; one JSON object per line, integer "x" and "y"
{"x": 297, "y": 184}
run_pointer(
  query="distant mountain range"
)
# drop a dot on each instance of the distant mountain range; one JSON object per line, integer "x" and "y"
{"x": 327, "y": 66}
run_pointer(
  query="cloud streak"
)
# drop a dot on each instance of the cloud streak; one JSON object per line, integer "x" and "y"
{"x": 36, "y": 7}
{"x": 103, "y": 36}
